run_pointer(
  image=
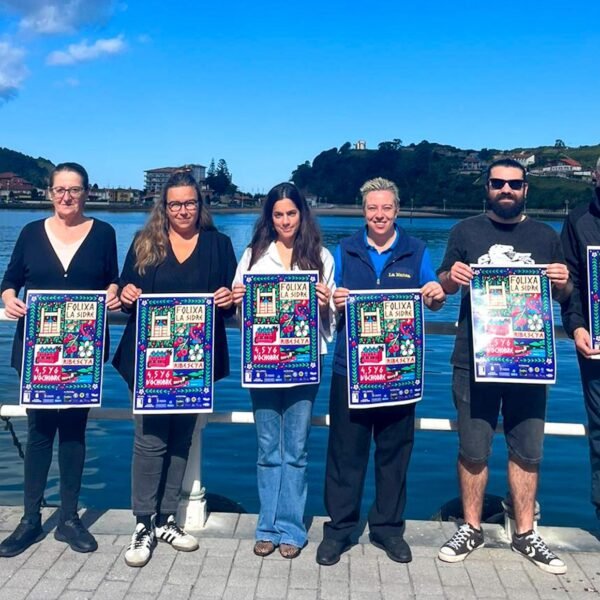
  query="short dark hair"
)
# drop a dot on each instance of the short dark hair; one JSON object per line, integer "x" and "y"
{"x": 506, "y": 162}
{"x": 70, "y": 166}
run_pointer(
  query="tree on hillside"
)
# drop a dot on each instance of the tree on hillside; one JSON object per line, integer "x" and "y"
{"x": 219, "y": 178}
{"x": 559, "y": 144}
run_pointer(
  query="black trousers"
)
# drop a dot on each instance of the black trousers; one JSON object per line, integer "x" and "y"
{"x": 350, "y": 434}
{"x": 590, "y": 381}
{"x": 43, "y": 425}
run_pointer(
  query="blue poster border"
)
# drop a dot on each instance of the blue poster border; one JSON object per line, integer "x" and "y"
{"x": 593, "y": 272}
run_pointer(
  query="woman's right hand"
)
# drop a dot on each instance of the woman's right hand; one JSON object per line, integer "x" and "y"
{"x": 14, "y": 308}
{"x": 238, "y": 291}
{"x": 129, "y": 295}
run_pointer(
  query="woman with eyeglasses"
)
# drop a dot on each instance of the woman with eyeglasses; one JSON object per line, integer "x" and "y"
{"x": 66, "y": 251}
{"x": 178, "y": 251}
{"x": 286, "y": 238}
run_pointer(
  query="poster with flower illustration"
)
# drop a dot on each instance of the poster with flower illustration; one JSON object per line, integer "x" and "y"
{"x": 593, "y": 266}
{"x": 174, "y": 358}
{"x": 280, "y": 334}
{"x": 63, "y": 349}
{"x": 512, "y": 325}
{"x": 384, "y": 347}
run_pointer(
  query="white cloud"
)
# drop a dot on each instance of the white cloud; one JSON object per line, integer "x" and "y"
{"x": 58, "y": 16}
{"x": 12, "y": 71}
{"x": 83, "y": 51}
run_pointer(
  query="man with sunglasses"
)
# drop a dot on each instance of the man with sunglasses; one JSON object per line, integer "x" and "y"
{"x": 582, "y": 229}
{"x": 502, "y": 236}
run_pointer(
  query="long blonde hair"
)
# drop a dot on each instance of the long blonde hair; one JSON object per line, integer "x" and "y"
{"x": 152, "y": 241}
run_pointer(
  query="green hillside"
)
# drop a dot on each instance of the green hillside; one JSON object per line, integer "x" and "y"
{"x": 34, "y": 170}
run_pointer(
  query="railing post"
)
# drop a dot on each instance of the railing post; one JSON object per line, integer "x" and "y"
{"x": 192, "y": 511}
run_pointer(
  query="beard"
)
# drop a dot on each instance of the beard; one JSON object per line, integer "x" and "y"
{"x": 506, "y": 211}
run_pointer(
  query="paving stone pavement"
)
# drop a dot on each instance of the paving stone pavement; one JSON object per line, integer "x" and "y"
{"x": 224, "y": 567}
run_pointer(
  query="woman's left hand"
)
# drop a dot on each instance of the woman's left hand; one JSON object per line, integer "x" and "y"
{"x": 223, "y": 298}
{"x": 323, "y": 294}
{"x": 113, "y": 302}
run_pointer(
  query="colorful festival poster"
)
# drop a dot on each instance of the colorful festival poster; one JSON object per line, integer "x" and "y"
{"x": 593, "y": 266}
{"x": 174, "y": 358}
{"x": 63, "y": 349}
{"x": 513, "y": 325}
{"x": 385, "y": 345}
{"x": 280, "y": 333}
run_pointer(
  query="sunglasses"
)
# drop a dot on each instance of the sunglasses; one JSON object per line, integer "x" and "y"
{"x": 498, "y": 184}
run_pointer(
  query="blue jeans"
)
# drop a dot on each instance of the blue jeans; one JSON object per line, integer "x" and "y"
{"x": 282, "y": 417}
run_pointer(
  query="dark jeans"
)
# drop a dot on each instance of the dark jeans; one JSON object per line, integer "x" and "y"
{"x": 43, "y": 425}
{"x": 160, "y": 453}
{"x": 350, "y": 434}
{"x": 590, "y": 381}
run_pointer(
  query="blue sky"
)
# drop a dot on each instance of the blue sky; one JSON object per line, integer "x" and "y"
{"x": 126, "y": 86}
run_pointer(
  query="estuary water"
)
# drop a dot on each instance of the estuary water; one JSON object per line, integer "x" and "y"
{"x": 229, "y": 451}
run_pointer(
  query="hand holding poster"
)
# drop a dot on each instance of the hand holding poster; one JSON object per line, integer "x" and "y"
{"x": 63, "y": 349}
{"x": 512, "y": 325}
{"x": 174, "y": 358}
{"x": 593, "y": 266}
{"x": 385, "y": 347}
{"x": 280, "y": 329}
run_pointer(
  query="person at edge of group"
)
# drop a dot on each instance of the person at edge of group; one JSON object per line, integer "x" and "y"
{"x": 379, "y": 255}
{"x": 178, "y": 251}
{"x": 582, "y": 229}
{"x": 503, "y": 236}
{"x": 286, "y": 238}
{"x": 67, "y": 251}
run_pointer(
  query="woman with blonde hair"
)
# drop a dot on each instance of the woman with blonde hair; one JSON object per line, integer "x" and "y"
{"x": 178, "y": 251}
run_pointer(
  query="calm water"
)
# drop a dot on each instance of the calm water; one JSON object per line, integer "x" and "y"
{"x": 229, "y": 450}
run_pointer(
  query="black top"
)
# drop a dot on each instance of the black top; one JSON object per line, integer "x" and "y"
{"x": 581, "y": 229}
{"x": 34, "y": 265}
{"x": 211, "y": 265}
{"x": 481, "y": 240}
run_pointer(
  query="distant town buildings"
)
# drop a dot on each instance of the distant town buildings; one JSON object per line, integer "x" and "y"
{"x": 13, "y": 187}
{"x": 155, "y": 179}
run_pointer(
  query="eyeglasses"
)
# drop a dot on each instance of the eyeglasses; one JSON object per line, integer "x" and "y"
{"x": 176, "y": 206}
{"x": 74, "y": 192}
{"x": 498, "y": 184}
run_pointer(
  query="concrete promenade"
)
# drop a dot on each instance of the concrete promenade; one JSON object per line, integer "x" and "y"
{"x": 225, "y": 568}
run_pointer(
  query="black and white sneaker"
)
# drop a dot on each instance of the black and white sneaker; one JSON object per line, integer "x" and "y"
{"x": 141, "y": 546}
{"x": 461, "y": 544}
{"x": 171, "y": 533}
{"x": 533, "y": 547}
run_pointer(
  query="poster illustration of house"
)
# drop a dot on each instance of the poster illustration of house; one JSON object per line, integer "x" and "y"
{"x": 593, "y": 266}
{"x": 512, "y": 325}
{"x": 280, "y": 333}
{"x": 174, "y": 358}
{"x": 384, "y": 347}
{"x": 63, "y": 349}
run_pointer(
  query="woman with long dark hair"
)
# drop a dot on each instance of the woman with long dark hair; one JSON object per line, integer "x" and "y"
{"x": 178, "y": 251}
{"x": 286, "y": 238}
{"x": 67, "y": 251}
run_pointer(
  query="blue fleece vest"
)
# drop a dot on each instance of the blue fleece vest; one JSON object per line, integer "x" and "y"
{"x": 401, "y": 271}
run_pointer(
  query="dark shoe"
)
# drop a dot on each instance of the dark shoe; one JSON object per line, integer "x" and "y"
{"x": 465, "y": 539}
{"x": 26, "y": 534}
{"x": 289, "y": 551}
{"x": 394, "y": 546}
{"x": 532, "y": 546}
{"x": 264, "y": 548}
{"x": 330, "y": 551}
{"x": 76, "y": 535}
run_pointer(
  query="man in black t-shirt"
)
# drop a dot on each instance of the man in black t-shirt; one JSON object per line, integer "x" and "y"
{"x": 504, "y": 236}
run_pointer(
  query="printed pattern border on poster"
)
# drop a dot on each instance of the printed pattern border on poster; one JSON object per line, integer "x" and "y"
{"x": 385, "y": 347}
{"x": 63, "y": 349}
{"x": 593, "y": 267}
{"x": 174, "y": 354}
{"x": 280, "y": 329}
{"x": 512, "y": 325}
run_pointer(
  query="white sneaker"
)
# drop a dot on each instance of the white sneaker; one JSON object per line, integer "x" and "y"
{"x": 171, "y": 533}
{"x": 140, "y": 547}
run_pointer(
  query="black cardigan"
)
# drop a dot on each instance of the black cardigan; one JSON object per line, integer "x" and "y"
{"x": 34, "y": 265}
{"x": 216, "y": 264}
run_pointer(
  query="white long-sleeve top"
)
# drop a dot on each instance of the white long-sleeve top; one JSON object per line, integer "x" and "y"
{"x": 270, "y": 262}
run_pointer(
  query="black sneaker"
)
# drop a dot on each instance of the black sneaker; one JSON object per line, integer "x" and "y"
{"x": 533, "y": 547}
{"x": 461, "y": 544}
{"x": 73, "y": 532}
{"x": 26, "y": 534}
